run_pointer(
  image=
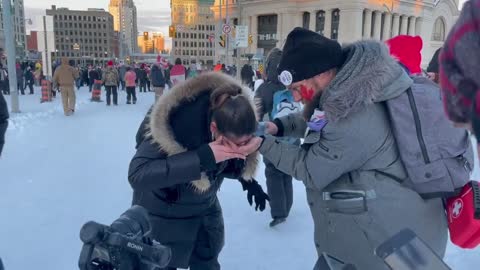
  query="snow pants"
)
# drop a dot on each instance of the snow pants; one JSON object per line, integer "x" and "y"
{"x": 280, "y": 191}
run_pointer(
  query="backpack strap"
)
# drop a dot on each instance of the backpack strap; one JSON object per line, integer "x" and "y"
{"x": 391, "y": 176}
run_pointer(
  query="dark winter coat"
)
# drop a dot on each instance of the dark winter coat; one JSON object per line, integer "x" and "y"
{"x": 433, "y": 66}
{"x": 29, "y": 76}
{"x": 265, "y": 92}
{"x": 93, "y": 75}
{"x": 352, "y": 154}
{"x": 142, "y": 75}
{"x": 247, "y": 75}
{"x": 3, "y": 121}
{"x": 174, "y": 175}
{"x": 157, "y": 76}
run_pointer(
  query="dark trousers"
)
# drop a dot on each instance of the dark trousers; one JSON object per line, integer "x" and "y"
{"x": 280, "y": 191}
{"x": 143, "y": 86}
{"x": 30, "y": 86}
{"x": 5, "y": 87}
{"x": 90, "y": 86}
{"x": 148, "y": 85}
{"x": 131, "y": 95}
{"x": 122, "y": 83}
{"x": 111, "y": 90}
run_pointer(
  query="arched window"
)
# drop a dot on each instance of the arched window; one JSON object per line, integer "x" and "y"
{"x": 335, "y": 23}
{"x": 306, "y": 20}
{"x": 320, "y": 22}
{"x": 439, "y": 30}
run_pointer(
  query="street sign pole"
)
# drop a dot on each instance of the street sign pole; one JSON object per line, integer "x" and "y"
{"x": 10, "y": 50}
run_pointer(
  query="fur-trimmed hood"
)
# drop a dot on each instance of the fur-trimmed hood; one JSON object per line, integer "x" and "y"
{"x": 368, "y": 75}
{"x": 160, "y": 128}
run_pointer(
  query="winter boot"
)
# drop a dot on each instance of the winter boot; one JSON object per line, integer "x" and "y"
{"x": 277, "y": 221}
{"x": 128, "y": 102}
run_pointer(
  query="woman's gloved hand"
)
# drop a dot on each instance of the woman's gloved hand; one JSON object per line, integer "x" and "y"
{"x": 255, "y": 190}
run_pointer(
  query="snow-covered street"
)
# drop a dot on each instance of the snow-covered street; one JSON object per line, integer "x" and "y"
{"x": 58, "y": 172}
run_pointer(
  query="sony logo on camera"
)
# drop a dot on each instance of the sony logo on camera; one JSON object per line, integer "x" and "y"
{"x": 132, "y": 245}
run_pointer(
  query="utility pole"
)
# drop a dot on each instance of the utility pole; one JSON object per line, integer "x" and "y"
{"x": 10, "y": 50}
{"x": 221, "y": 23}
{"x": 227, "y": 35}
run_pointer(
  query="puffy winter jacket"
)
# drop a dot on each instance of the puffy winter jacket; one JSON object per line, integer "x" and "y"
{"x": 3, "y": 121}
{"x": 178, "y": 184}
{"x": 157, "y": 76}
{"x": 348, "y": 166}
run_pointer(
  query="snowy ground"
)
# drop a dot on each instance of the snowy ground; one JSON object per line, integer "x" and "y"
{"x": 58, "y": 172}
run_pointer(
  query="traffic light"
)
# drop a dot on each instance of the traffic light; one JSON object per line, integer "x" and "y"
{"x": 222, "y": 41}
{"x": 145, "y": 36}
{"x": 171, "y": 31}
{"x": 250, "y": 39}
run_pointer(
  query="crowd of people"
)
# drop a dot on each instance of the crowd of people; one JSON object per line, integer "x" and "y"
{"x": 360, "y": 189}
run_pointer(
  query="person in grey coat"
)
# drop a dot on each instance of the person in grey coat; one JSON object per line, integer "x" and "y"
{"x": 183, "y": 155}
{"x": 349, "y": 159}
{"x": 122, "y": 69}
{"x": 279, "y": 184}
{"x": 3, "y": 121}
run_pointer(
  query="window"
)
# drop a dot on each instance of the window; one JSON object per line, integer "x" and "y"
{"x": 439, "y": 30}
{"x": 306, "y": 20}
{"x": 320, "y": 22}
{"x": 335, "y": 23}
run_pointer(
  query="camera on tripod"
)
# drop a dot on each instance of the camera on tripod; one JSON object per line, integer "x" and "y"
{"x": 124, "y": 245}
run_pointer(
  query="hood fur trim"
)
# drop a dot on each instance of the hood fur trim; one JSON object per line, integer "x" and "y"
{"x": 162, "y": 134}
{"x": 368, "y": 71}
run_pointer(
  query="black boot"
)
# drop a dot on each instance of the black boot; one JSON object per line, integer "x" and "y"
{"x": 277, "y": 221}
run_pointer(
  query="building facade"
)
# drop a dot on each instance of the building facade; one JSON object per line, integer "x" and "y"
{"x": 124, "y": 13}
{"x": 194, "y": 36}
{"x": 83, "y": 36}
{"x": 151, "y": 43}
{"x": 32, "y": 43}
{"x": 18, "y": 15}
{"x": 270, "y": 21}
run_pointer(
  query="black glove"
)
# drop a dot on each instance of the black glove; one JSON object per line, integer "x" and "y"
{"x": 254, "y": 189}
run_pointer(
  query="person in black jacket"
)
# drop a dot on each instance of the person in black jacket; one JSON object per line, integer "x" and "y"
{"x": 157, "y": 75}
{"x": 247, "y": 76}
{"x": 279, "y": 184}
{"x": 433, "y": 67}
{"x": 92, "y": 76}
{"x": 3, "y": 121}
{"x": 179, "y": 166}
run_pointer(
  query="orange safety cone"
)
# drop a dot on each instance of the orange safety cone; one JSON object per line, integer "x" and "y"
{"x": 46, "y": 91}
{"x": 97, "y": 91}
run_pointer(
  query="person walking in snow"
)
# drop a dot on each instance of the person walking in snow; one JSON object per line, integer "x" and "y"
{"x": 357, "y": 187}
{"x": 122, "y": 70}
{"x": 279, "y": 184}
{"x": 142, "y": 78}
{"x": 3, "y": 121}
{"x": 29, "y": 80}
{"x": 130, "y": 78}
{"x": 179, "y": 168}
{"x": 65, "y": 77}
{"x": 92, "y": 76}
{"x": 157, "y": 75}
{"x": 111, "y": 79}
{"x": 178, "y": 72}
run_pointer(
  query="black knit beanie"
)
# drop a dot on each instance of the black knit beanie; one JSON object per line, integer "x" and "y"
{"x": 307, "y": 54}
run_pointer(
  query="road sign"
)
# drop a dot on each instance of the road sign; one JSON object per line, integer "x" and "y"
{"x": 241, "y": 37}
{"x": 226, "y": 29}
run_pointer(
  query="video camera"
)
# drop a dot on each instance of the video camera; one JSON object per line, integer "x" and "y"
{"x": 124, "y": 245}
